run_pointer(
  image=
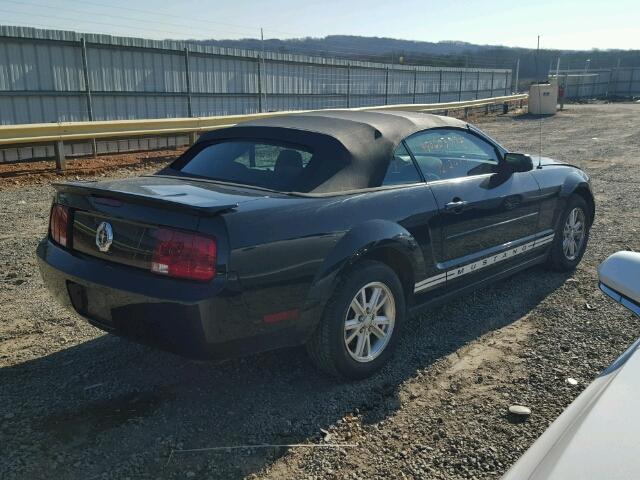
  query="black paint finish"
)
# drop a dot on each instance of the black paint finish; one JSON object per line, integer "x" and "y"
{"x": 282, "y": 252}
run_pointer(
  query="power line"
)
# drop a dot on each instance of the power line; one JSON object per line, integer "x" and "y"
{"x": 81, "y": 12}
{"x": 96, "y": 22}
{"x": 197, "y": 20}
{"x": 338, "y": 51}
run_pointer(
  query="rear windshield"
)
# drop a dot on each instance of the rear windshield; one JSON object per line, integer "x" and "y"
{"x": 265, "y": 164}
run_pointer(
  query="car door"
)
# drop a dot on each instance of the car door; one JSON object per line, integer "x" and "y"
{"x": 484, "y": 210}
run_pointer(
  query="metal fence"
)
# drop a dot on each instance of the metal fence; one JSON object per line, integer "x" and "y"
{"x": 59, "y": 76}
{"x": 623, "y": 82}
{"x": 52, "y": 76}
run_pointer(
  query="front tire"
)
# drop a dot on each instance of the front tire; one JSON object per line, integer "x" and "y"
{"x": 361, "y": 323}
{"x": 572, "y": 235}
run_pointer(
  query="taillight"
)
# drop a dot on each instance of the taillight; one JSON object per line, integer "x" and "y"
{"x": 59, "y": 224}
{"x": 184, "y": 255}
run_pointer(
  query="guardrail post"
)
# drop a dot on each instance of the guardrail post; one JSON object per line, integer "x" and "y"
{"x": 415, "y": 83}
{"x": 440, "y": 88}
{"x": 460, "y": 88}
{"x": 58, "y": 148}
{"x": 466, "y": 112}
{"x": 87, "y": 89}
{"x": 386, "y": 87}
{"x": 187, "y": 71}
{"x": 349, "y": 85}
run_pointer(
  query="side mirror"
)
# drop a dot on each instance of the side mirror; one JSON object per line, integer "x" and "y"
{"x": 518, "y": 162}
{"x": 619, "y": 278}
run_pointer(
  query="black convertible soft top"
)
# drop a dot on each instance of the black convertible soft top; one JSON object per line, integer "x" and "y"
{"x": 363, "y": 141}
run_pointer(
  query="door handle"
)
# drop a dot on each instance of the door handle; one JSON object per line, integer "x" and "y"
{"x": 456, "y": 205}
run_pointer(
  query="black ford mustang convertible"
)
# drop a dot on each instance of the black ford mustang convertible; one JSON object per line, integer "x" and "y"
{"x": 325, "y": 229}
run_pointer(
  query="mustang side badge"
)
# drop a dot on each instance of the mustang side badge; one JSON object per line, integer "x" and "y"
{"x": 104, "y": 236}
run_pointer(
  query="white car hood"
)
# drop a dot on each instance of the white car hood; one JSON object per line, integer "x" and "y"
{"x": 597, "y": 436}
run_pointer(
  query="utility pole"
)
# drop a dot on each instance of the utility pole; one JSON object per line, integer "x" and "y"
{"x": 557, "y": 77}
{"x": 264, "y": 72}
{"x": 537, "y": 57}
{"x": 517, "y": 74}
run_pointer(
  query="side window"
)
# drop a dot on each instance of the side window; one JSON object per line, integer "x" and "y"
{"x": 401, "y": 168}
{"x": 446, "y": 153}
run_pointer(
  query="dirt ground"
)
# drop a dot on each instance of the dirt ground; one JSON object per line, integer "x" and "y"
{"x": 44, "y": 172}
{"x": 77, "y": 403}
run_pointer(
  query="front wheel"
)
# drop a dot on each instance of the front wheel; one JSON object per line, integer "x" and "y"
{"x": 361, "y": 323}
{"x": 571, "y": 236}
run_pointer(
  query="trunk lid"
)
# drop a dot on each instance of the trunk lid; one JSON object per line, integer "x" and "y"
{"x": 135, "y": 208}
{"x": 166, "y": 192}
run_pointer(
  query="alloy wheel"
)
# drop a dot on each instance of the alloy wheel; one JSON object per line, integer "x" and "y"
{"x": 573, "y": 234}
{"x": 369, "y": 322}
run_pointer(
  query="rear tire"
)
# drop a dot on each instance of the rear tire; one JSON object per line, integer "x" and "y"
{"x": 571, "y": 236}
{"x": 369, "y": 302}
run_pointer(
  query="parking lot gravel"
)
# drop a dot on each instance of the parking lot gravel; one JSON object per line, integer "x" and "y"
{"x": 76, "y": 403}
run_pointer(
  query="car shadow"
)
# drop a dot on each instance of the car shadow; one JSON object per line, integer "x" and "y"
{"x": 115, "y": 407}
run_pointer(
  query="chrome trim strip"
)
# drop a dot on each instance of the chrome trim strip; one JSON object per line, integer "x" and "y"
{"x": 436, "y": 278}
{"x": 458, "y": 179}
{"x": 431, "y": 282}
{"x": 488, "y": 252}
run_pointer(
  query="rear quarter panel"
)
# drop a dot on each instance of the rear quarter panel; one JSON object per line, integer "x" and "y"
{"x": 288, "y": 253}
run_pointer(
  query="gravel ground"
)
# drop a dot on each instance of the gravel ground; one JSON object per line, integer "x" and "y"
{"x": 76, "y": 403}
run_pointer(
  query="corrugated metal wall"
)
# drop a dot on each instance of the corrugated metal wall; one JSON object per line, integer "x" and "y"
{"x": 42, "y": 79}
{"x": 624, "y": 82}
{"x": 59, "y": 76}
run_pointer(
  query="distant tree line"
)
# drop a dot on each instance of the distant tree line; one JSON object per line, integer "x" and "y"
{"x": 533, "y": 66}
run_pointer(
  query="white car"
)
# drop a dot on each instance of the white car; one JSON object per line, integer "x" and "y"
{"x": 597, "y": 436}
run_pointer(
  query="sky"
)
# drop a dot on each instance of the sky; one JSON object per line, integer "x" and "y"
{"x": 562, "y": 24}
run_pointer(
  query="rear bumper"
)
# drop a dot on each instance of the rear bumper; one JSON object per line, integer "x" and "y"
{"x": 196, "y": 320}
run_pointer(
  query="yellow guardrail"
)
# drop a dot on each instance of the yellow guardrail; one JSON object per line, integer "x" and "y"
{"x": 61, "y": 131}
{"x": 72, "y": 131}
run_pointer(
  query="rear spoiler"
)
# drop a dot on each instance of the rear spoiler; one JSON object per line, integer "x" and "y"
{"x": 186, "y": 202}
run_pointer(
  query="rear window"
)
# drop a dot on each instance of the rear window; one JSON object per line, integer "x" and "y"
{"x": 276, "y": 166}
